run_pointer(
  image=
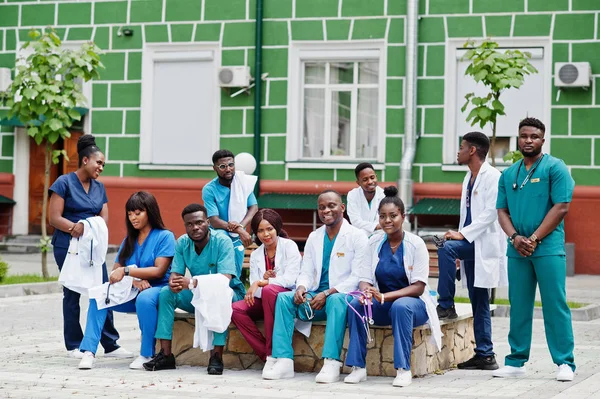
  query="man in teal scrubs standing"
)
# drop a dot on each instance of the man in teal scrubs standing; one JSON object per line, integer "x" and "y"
{"x": 533, "y": 199}
{"x": 202, "y": 251}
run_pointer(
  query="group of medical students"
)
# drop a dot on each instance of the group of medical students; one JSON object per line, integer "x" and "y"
{"x": 351, "y": 274}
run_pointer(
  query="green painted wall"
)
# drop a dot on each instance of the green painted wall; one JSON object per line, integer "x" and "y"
{"x": 572, "y": 24}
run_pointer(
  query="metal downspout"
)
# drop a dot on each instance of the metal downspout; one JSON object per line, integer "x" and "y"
{"x": 405, "y": 184}
{"x": 258, "y": 91}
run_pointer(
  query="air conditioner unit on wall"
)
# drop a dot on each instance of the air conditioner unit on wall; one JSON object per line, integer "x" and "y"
{"x": 234, "y": 76}
{"x": 572, "y": 74}
{"x": 5, "y": 79}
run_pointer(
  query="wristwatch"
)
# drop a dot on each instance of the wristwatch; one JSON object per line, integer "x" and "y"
{"x": 535, "y": 238}
{"x": 326, "y": 292}
{"x": 512, "y": 238}
{"x": 126, "y": 270}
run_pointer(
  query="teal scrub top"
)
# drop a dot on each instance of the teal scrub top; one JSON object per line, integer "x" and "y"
{"x": 327, "y": 248}
{"x": 216, "y": 200}
{"x": 549, "y": 184}
{"x": 216, "y": 257}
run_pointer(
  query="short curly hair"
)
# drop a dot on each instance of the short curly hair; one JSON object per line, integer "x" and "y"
{"x": 533, "y": 122}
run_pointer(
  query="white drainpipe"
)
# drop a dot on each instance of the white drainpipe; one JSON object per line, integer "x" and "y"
{"x": 405, "y": 184}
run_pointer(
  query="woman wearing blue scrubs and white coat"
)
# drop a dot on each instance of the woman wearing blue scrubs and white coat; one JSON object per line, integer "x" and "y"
{"x": 73, "y": 197}
{"x": 396, "y": 282}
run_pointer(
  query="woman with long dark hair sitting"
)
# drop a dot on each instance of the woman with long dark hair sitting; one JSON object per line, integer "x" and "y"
{"x": 151, "y": 247}
{"x": 274, "y": 267}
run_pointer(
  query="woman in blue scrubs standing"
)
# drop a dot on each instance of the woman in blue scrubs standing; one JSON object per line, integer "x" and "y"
{"x": 396, "y": 282}
{"x": 73, "y": 197}
{"x": 150, "y": 247}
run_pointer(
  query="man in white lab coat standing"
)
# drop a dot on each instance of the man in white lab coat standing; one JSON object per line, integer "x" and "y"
{"x": 363, "y": 201}
{"x": 480, "y": 244}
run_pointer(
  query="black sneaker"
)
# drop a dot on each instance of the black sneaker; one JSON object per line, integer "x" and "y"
{"x": 479, "y": 363}
{"x": 161, "y": 362}
{"x": 215, "y": 364}
{"x": 449, "y": 313}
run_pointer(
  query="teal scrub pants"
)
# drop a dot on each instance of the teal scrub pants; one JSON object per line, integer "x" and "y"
{"x": 523, "y": 276}
{"x": 335, "y": 312}
{"x": 168, "y": 301}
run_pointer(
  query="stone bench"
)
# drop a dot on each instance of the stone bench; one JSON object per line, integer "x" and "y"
{"x": 458, "y": 345}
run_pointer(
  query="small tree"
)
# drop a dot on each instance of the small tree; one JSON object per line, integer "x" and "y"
{"x": 498, "y": 72}
{"x": 43, "y": 96}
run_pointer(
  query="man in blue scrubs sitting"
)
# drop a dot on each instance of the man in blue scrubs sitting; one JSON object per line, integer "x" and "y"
{"x": 201, "y": 251}
{"x": 217, "y": 196}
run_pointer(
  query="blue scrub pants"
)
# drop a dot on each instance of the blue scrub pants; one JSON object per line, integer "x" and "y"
{"x": 146, "y": 307}
{"x": 480, "y": 299}
{"x": 334, "y": 312}
{"x": 238, "y": 250}
{"x": 169, "y": 301}
{"x": 403, "y": 314}
{"x": 71, "y": 328}
{"x": 524, "y": 274}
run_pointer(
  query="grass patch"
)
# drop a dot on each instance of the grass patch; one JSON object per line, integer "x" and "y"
{"x": 26, "y": 278}
{"x": 538, "y": 304}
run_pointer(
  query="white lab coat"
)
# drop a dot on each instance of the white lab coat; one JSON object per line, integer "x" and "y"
{"x": 119, "y": 293}
{"x": 287, "y": 265}
{"x": 349, "y": 253}
{"x": 212, "y": 308}
{"x": 359, "y": 212}
{"x": 484, "y": 230}
{"x": 241, "y": 188}
{"x": 85, "y": 258}
{"x": 416, "y": 267}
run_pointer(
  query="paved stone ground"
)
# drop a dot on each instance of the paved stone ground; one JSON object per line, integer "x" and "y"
{"x": 34, "y": 365}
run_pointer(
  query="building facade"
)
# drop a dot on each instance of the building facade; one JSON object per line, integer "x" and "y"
{"x": 333, "y": 93}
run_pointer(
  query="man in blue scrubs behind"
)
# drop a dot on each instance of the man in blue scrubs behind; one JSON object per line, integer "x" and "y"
{"x": 216, "y": 196}
{"x": 533, "y": 199}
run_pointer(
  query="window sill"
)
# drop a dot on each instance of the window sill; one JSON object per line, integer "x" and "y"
{"x": 329, "y": 165}
{"x": 151, "y": 166}
{"x": 465, "y": 168}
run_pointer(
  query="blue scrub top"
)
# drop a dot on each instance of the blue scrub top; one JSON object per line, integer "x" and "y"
{"x": 549, "y": 184}
{"x": 216, "y": 199}
{"x": 159, "y": 244}
{"x": 390, "y": 273}
{"x": 78, "y": 204}
{"x": 216, "y": 257}
{"x": 327, "y": 248}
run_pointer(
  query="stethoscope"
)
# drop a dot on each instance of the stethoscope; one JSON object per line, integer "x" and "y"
{"x": 528, "y": 177}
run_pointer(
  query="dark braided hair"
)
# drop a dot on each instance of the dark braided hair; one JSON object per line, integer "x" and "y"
{"x": 86, "y": 146}
{"x": 391, "y": 197}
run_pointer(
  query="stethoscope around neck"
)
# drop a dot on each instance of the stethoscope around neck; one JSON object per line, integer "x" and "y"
{"x": 528, "y": 177}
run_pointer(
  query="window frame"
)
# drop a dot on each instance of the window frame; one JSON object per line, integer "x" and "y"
{"x": 184, "y": 52}
{"x": 450, "y": 136}
{"x": 300, "y": 52}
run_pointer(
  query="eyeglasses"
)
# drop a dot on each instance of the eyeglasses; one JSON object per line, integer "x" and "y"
{"x": 224, "y": 166}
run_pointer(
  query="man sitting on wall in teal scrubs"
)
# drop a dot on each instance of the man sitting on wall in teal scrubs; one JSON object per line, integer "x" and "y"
{"x": 201, "y": 251}
{"x": 330, "y": 268}
{"x": 218, "y": 196}
{"x": 533, "y": 199}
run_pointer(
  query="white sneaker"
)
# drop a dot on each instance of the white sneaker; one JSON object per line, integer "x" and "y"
{"x": 76, "y": 353}
{"x": 509, "y": 372}
{"x": 403, "y": 378}
{"x": 120, "y": 353}
{"x": 138, "y": 363}
{"x": 358, "y": 374}
{"x": 269, "y": 364}
{"x": 87, "y": 361}
{"x": 283, "y": 368}
{"x": 564, "y": 373}
{"x": 330, "y": 372}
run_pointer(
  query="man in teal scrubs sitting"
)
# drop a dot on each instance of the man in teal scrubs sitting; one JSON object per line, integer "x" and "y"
{"x": 333, "y": 256}
{"x": 217, "y": 196}
{"x": 201, "y": 251}
{"x": 533, "y": 199}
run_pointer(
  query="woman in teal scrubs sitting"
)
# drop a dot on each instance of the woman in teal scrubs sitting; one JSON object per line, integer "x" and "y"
{"x": 151, "y": 247}
{"x": 396, "y": 282}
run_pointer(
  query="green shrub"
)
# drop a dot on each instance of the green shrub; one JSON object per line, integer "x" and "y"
{"x": 3, "y": 270}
